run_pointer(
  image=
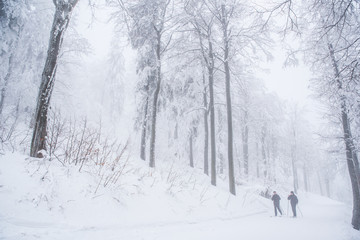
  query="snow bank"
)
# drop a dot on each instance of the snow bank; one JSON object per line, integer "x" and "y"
{"x": 43, "y": 199}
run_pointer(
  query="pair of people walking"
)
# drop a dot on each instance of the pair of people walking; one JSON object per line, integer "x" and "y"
{"x": 293, "y": 201}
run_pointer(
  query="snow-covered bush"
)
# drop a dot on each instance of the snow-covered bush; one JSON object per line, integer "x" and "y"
{"x": 82, "y": 145}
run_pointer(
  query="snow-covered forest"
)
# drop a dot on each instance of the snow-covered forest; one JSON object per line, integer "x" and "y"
{"x": 161, "y": 119}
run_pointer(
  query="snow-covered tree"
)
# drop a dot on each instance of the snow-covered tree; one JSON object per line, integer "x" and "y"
{"x": 23, "y": 29}
{"x": 334, "y": 54}
{"x": 62, "y": 16}
{"x": 202, "y": 22}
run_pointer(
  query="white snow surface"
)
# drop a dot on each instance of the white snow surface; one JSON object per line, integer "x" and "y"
{"x": 42, "y": 199}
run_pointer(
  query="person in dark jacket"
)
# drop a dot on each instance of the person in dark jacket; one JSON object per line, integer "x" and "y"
{"x": 276, "y": 199}
{"x": 293, "y": 201}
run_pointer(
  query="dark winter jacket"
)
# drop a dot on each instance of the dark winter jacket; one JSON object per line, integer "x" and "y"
{"x": 293, "y": 199}
{"x": 276, "y": 198}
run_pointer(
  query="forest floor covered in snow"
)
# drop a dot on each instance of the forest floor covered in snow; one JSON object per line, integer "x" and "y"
{"x": 43, "y": 199}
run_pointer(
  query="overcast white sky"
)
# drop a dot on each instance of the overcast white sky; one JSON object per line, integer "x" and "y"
{"x": 290, "y": 82}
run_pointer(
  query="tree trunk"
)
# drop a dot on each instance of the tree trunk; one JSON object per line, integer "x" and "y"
{"x": 294, "y": 156}
{"x": 228, "y": 101}
{"x": 212, "y": 115}
{"x": 206, "y": 130}
{"x": 263, "y": 151}
{"x": 143, "y": 130}
{"x": 208, "y": 57}
{"x": 257, "y": 161}
{"x": 245, "y": 142}
{"x": 351, "y": 155}
{"x": 269, "y": 159}
{"x": 155, "y": 100}
{"x": 6, "y": 82}
{"x": 60, "y": 24}
{"x": 191, "y": 150}
{"x": 327, "y": 186}
{"x": 13, "y": 46}
{"x": 274, "y": 154}
{"x": 293, "y": 160}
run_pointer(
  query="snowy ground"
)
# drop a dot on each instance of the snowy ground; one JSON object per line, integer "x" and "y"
{"x": 43, "y": 200}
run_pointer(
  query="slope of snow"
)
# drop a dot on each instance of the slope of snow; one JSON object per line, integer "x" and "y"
{"x": 42, "y": 199}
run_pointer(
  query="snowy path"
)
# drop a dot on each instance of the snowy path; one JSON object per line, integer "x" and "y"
{"x": 320, "y": 221}
{"x": 61, "y": 208}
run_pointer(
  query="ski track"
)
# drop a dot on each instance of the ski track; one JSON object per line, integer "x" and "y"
{"x": 320, "y": 221}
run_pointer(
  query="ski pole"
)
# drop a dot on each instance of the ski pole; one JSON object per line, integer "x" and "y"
{"x": 300, "y": 210}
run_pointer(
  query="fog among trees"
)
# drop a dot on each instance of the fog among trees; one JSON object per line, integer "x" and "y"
{"x": 185, "y": 82}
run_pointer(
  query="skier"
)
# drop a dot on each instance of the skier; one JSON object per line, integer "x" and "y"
{"x": 276, "y": 199}
{"x": 293, "y": 201}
